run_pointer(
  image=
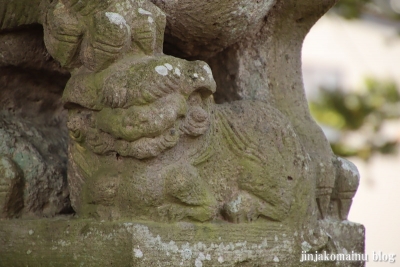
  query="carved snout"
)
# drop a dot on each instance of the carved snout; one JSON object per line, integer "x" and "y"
{"x": 200, "y": 79}
{"x": 141, "y": 121}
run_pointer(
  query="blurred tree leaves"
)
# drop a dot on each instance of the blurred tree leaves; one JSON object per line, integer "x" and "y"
{"x": 357, "y": 117}
{"x": 350, "y": 8}
{"x": 388, "y": 10}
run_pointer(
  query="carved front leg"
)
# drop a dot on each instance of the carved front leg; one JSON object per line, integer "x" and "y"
{"x": 187, "y": 194}
{"x": 97, "y": 33}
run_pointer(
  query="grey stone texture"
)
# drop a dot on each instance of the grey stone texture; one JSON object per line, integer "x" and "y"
{"x": 33, "y": 132}
{"x": 206, "y": 156}
{"x": 71, "y": 242}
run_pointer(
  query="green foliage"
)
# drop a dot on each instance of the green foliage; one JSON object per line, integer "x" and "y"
{"x": 380, "y": 9}
{"x": 350, "y": 9}
{"x": 359, "y": 115}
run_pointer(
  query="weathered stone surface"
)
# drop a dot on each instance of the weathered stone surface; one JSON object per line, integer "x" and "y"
{"x": 148, "y": 142}
{"x": 17, "y": 13}
{"x": 96, "y": 33}
{"x": 202, "y": 29}
{"x": 77, "y": 242}
{"x": 263, "y": 65}
{"x": 37, "y": 163}
{"x": 33, "y": 133}
{"x": 11, "y": 188}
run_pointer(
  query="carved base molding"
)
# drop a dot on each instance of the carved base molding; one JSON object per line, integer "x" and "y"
{"x": 75, "y": 242}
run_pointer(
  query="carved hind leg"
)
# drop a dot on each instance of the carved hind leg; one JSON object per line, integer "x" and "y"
{"x": 188, "y": 195}
{"x": 247, "y": 208}
{"x": 11, "y": 188}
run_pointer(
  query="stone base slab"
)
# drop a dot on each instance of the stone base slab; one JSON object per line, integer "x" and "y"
{"x": 74, "y": 242}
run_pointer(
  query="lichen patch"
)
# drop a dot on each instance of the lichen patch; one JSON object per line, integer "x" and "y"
{"x": 169, "y": 66}
{"x": 116, "y": 19}
{"x": 162, "y": 70}
{"x": 138, "y": 253}
{"x": 177, "y": 71}
{"x": 197, "y": 254}
{"x": 349, "y": 166}
{"x": 208, "y": 70}
{"x": 144, "y": 12}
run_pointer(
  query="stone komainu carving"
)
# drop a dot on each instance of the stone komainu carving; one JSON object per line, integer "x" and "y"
{"x": 203, "y": 160}
{"x": 179, "y": 155}
{"x": 149, "y": 142}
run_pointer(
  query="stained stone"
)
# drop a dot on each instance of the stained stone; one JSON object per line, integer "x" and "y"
{"x": 196, "y": 151}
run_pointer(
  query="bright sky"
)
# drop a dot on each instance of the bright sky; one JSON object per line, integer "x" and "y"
{"x": 354, "y": 49}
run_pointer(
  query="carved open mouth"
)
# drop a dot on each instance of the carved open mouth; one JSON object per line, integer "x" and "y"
{"x": 103, "y": 143}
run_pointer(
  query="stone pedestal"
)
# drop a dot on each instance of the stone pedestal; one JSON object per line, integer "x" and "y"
{"x": 75, "y": 242}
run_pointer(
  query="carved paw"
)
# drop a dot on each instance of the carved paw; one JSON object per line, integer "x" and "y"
{"x": 247, "y": 208}
{"x": 177, "y": 212}
{"x": 347, "y": 181}
{"x": 242, "y": 209}
{"x": 97, "y": 33}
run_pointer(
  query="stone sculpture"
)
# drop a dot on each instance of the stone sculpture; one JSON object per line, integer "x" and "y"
{"x": 158, "y": 138}
{"x": 171, "y": 120}
{"x": 146, "y": 103}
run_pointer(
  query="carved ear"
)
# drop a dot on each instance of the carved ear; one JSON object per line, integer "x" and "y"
{"x": 197, "y": 120}
{"x": 200, "y": 79}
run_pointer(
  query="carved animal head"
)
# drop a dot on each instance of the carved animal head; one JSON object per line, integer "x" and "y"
{"x": 140, "y": 106}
